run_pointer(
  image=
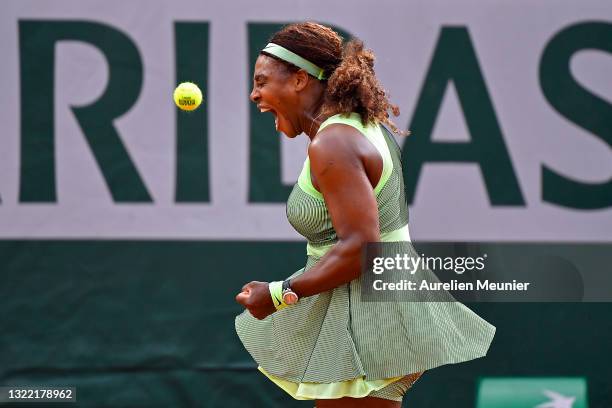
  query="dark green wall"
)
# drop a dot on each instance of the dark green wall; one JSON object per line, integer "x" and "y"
{"x": 150, "y": 324}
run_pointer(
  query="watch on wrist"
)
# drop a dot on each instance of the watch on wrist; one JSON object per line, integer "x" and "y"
{"x": 289, "y": 296}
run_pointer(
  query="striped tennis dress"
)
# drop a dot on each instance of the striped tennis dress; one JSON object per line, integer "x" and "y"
{"x": 335, "y": 344}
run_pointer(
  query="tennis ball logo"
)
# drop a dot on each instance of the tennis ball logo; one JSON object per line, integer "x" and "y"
{"x": 187, "y": 96}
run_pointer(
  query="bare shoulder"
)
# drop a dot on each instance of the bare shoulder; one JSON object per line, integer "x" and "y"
{"x": 336, "y": 143}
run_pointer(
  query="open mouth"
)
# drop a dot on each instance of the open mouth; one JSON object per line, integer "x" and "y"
{"x": 266, "y": 109}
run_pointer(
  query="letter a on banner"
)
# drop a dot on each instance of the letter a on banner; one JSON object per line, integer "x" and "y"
{"x": 455, "y": 60}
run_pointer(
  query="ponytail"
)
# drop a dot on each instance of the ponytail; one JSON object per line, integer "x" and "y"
{"x": 353, "y": 87}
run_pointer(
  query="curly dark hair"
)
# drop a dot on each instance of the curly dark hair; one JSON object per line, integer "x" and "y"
{"x": 351, "y": 84}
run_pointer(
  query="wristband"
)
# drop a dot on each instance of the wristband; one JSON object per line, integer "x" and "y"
{"x": 276, "y": 292}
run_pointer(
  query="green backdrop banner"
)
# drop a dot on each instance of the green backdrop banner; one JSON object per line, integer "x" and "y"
{"x": 151, "y": 323}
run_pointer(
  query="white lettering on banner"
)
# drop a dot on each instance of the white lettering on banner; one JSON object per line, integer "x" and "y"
{"x": 451, "y": 200}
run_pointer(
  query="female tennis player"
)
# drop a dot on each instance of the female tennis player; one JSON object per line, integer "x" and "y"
{"x": 311, "y": 333}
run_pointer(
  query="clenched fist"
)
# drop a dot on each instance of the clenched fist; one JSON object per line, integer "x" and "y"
{"x": 255, "y": 296}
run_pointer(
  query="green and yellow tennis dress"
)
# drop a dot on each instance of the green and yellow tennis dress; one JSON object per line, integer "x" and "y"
{"x": 333, "y": 344}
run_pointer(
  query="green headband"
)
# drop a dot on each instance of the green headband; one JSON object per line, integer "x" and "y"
{"x": 293, "y": 58}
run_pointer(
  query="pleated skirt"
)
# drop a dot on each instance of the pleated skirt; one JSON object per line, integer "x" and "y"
{"x": 337, "y": 336}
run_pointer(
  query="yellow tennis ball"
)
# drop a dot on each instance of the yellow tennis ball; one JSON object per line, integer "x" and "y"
{"x": 187, "y": 96}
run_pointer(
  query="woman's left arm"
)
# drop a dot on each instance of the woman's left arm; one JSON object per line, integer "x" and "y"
{"x": 338, "y": 168}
